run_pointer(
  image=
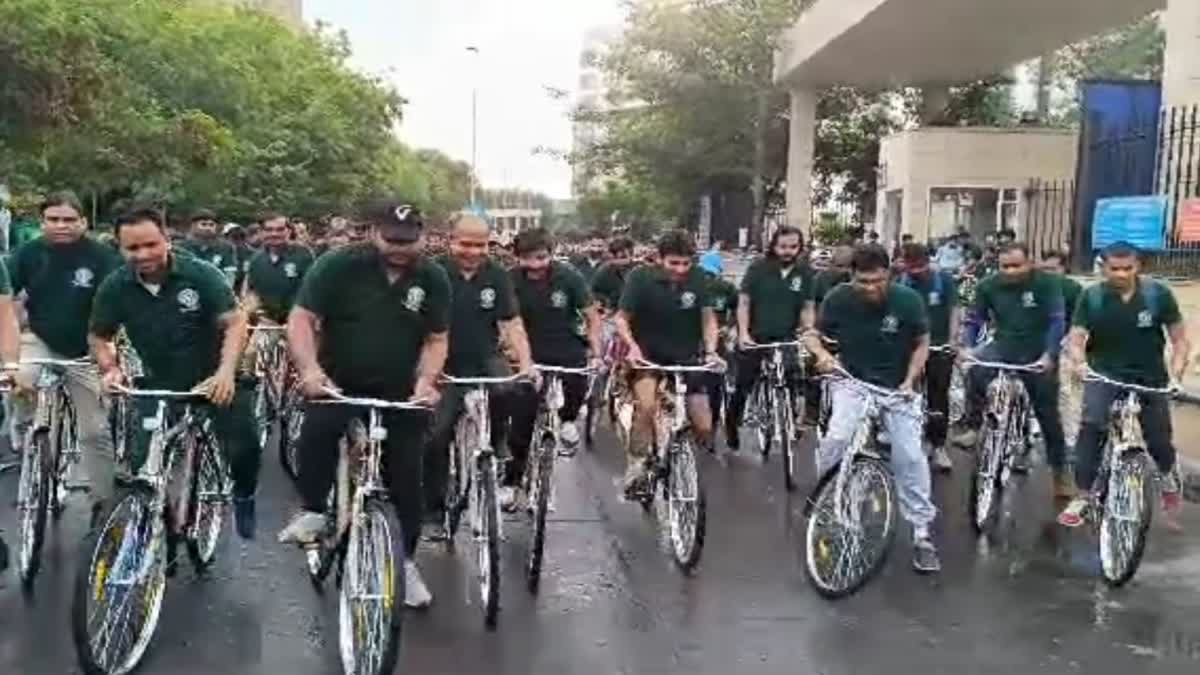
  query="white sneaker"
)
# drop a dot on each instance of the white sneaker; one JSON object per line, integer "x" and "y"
{"x": 941, "y": 460}
{"x": 416, "y": 594}
{"x": 570, "y": 439}
{"x": 507, "y": 497}
{"x": 305, "y": 528}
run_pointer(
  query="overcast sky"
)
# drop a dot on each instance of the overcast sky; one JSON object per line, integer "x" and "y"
{"x": 525, "y": 45}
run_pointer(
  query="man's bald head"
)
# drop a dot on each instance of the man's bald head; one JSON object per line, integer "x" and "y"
{"x": 469, "y": 242}
{"x": 842, "y": 255}
{"x": 470, "y": 225}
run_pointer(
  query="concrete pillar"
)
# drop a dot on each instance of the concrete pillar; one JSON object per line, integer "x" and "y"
{"x": 1181, "y": 77}
{"x": 802, "y": 132}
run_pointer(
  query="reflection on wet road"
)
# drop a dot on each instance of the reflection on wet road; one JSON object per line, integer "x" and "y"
{"x": 612, "y": 601}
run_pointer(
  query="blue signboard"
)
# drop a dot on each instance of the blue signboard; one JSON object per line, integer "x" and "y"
{"x": 1140, "y": 221}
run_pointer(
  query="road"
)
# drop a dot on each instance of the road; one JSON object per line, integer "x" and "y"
{"x": 612, "y": 602}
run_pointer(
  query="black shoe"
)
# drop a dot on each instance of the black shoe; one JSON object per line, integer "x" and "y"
{"x": 732, "y": 441}
{"x": 98, "y": 509}
{"x": 1020, "y": 463}
{"x": 925, "y": 556}
{"x": 434, "y": 531}
{"x": 3, "y": 555}
{"x": 243, "y": 511}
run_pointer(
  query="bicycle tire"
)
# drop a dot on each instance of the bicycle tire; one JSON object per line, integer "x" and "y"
{"x": 986, "y": 491}
{"x": 762, "y": 410}
{"x": 1134, "y": 465}
{"x": 207, "y": 503}
{"x": 684, "y": 487}
{"x": 66, "y": 443}
{"x": 290, "y": 427}
{"x": 264, "y": 414}
{"x": 458, "y": 486}
{"x": 595, "y": 404}
{"x": 813, "y": 545}
{"x": 540, "y": 484}
{"x": 132, "y": 512}
{"x": 487, "y": 542}
{"x": 34, "y": 508}
{"x": 787, "y": 445}
{"x": 389, "y": 590}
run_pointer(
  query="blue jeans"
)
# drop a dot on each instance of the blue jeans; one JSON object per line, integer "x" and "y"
{"x": 909, "y": 466}
{"x": 1155, "y": 419}
{"x": 1043, "y": 396}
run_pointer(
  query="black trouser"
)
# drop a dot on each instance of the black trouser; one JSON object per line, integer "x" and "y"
{"x": 1155, "y": 419}
{"x": 233, "y": 425}
{"x": 437, "y": 452}
{"x": 937, "y": 391}
{"x": 524, "y": 404}
{"x": 324, "y": 426}
{"x": 749, "y": 366}
{"x": 1043, "y": 395}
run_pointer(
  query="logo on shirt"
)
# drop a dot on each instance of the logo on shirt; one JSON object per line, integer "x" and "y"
{"x": 83, "y": 278}
{"x": 935, "y": 298}
{"x": 189, "y": 300}
{"x": 890, "y": 324}
{"x": 216, "y": 260}
{"x": 1027, "y": 300}
{"x": 797, "y": 284}
{"x": 487, "y": 298}
{"x": 719, "y": 304}
{"x": 289, "y": 270}
{"x": 558, "y": 299}
{"x": 687, "y": 300}
{"x": 416, "y": 296}
{"x": 1144, "y": 319}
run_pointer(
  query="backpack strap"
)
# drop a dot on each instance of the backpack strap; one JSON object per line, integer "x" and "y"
{"x": 1150, "y": 293}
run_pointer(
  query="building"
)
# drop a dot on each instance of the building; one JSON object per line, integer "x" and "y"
{"x": 591, "y": 96}
{"x": 935, "y": 44}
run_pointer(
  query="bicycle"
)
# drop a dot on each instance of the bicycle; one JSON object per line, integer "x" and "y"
{"x": 673, "y": 467}
{"x": 471, "y": 486}
{"x": 50, "y": 450}
{"x": 180, "y": 492}
{"x": 363, "y": 535}
{"x": 772, "y": 409}
{"x": 851, "y": 514}
{"x": 1003, "y": 440}
{"x": 277, "y": 396}
{"x": 1122, "y": 497}
{"x": 539, "y": 468}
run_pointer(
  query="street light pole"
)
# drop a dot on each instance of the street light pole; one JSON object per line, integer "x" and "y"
{"x": 474, "y": 121}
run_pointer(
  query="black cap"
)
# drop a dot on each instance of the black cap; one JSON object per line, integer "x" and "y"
{"x": 403, "y": 221}
{"x": 203, "y": 214}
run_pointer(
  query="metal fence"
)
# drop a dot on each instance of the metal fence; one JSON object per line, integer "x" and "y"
{"x": 1177, "y": 177}
{"x": 1048, "y": 215}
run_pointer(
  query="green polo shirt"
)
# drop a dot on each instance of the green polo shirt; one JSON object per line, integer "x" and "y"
{"x": 777, "y": 297}
{"x": 724, "y": 298}
{"x": 939, "y": 294}
{"x": 875, "y": 341}
{"x": 175, "y": 329}
{"x": 586, "y": 266}
{"x": 61, "y": 283}
{"x": 552, "y": 311}
{"x": 825, "y": 281}
{"x": 1126, "y": 338}
{"x": 665, "y": 315}
{"x": 479, "y": 305}
{"x": 373, "y": 330}
{"x": 1071, "y": 290}
{"x": 276, "y": 277}
{"x": 608, "y": 282}
{"x": 217, "y": 252}
{"x": 1019, "y": 313}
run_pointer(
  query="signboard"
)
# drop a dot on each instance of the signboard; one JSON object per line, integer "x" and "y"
{"x": 1140, "y": 221}
{"x": 1187, "y": 225}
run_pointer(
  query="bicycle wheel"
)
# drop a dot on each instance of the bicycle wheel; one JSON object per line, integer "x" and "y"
{"x": 848, "y": 536}
{"x": 986, "y": 491}
{"x": 370, "y": 608}
{"x": 487, "y": 541}
{"x": 1128, "y": 509}
{"x": 66, "y": 451}
{"x": 119, "y": 593}
{"x": 292, "y": 418}
{"x": 541, "y": 472}
{"x": 787, "y": 434}
{"x": 685, "y": 505}
{"x": 594, "y": 409}
{"x": 458, "y": 476}
{"x": 762, "y": 416}
{"x": 33, "y": 500}
{"x": 209, "y": 499}
{"x": 264, "y": 413}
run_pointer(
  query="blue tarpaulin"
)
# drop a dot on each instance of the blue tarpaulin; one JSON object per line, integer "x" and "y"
{"x": 1140, "y": 221}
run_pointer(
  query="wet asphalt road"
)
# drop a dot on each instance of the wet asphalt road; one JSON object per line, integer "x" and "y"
{"x": 612, "y": 602}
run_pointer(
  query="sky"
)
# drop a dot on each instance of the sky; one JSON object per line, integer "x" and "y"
{"x": 524, "y": 46}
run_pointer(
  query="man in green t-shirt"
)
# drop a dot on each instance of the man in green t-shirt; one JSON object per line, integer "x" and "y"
{"x": 563, "y": 325}
{"x": 1120, "y": 323}
{"x": 939, "y": 294}
{"x": 1055, "y": 262}
{"x": 666, "y": 318}
{"x": 882, "y": 334}
{"x": 1024, "y": 307}
{"x": 609, "y": 279}
{"x": 276, "y": 272}
{"x": 205, "y": 243}
{"x": 772, "y": 307}
{"x": 371, "y": 320}
{"x": 58, "y": 274}
{"x": 184, "y": 323}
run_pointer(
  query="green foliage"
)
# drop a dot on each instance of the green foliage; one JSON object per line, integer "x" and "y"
{"x": 191, "y": 104}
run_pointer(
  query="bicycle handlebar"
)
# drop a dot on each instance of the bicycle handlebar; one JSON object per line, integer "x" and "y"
{"x": 882, "y": 391}
{"x": 268, "y": 329}
{"x": 336, "y": 398}
{"x": 769, "y": 345}
{"x": 646, "y": 365}
{"x": 946, "y": 348}
{"x": 64, "y": 363}
{"x": 1172, "y": 389}
{"x": 478, "y": 381}
{"x": 1034, "y": 367}
{"x": 159, "y": 393}
{"x": 564, "y": 370}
